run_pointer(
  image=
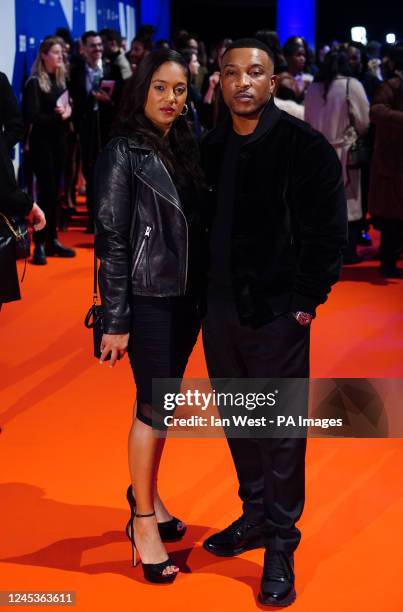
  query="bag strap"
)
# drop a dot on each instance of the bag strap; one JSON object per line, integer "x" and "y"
{"x": 349, "y": 106}
{"x": 18, "y": 236}
{"x": 95, "y": 287}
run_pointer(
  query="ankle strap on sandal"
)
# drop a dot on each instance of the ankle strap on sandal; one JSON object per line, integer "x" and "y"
{"x": 143, "y": 515}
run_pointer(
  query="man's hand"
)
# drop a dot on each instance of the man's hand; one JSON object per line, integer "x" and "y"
{"x": 116, "y": 345}
{"x": 101, "y": 96}
{"x": 36, "y": 218}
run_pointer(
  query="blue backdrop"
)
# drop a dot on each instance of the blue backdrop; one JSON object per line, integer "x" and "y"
{"x": 24, "y": 23}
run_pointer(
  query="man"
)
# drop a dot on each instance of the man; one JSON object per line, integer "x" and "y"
{"x": 95, "y": 87}
{"x": 278, "y": 228}
{"x": 113, "y": 52}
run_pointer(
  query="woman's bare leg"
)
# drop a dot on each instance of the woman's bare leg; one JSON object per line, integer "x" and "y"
{"x": 145, "y": 450}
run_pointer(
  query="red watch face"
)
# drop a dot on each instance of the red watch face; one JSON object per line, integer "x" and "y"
{"x": 303, "y": 318}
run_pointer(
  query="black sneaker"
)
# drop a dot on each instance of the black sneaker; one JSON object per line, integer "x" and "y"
{"x": 56, "y": 249}
{"x": 243, "y": 534}
{"x": 277, "y": 584}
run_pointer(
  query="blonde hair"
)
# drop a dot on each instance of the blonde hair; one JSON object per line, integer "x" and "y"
{"x": 38, "y": 67}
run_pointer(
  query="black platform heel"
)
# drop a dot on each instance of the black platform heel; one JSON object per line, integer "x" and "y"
{"x": 153, "y": 572}
{"x": 168, "y": 529}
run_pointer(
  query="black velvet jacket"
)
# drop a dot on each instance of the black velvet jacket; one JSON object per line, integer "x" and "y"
{"x": 289, "y": 217}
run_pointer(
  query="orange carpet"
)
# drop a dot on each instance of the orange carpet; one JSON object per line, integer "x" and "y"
{"x": 65, "y": 420}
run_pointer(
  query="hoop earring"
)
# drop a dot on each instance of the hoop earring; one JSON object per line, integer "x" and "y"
{"x": 186, "y": 109}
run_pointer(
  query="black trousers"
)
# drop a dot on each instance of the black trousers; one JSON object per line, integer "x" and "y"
{"x": 271, "y": 471}
{"x": 48, "y": 157}
{"x": 90, "y": 146}
{"x": 391, "y": 242}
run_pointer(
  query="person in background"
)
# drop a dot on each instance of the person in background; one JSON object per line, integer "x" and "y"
{"x": 11, "y": 123}
{"x": 47, "y": 113}
{"x": 141, "y": 46}
{"x": 386, "y": 177}
{"x": 113, "y": 52}
{"x": 95, "y": 86}
{"x": 14, "y": 203}
{"x": 310, "y": 66}
{"x": 194, "y": 98}
{"x": 373, "y": 51}
{"x": 326, "y": 110}
{"x": 358, "y": 61}
{"x": 294, "y": 81}
{"x": 162, "y": 43}
{"x": 271, "y": 39}
{"x": 212, "y": 99}
{"x": 193, "y": 43}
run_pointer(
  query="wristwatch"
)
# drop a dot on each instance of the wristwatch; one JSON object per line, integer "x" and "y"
{"x": 303, "y": 318}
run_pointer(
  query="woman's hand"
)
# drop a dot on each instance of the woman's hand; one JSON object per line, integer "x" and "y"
{"x": 37, "y": 218}
{"x": 64, "y": 111}
{"x": 116, "y": 344}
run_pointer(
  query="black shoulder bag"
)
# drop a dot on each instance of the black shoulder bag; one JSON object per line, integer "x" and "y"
{"x": 95, "y": 317}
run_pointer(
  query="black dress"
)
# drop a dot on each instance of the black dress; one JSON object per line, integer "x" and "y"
{"x": 47, "y": 149}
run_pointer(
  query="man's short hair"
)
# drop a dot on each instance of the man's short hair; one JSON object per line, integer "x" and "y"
{"x": 87, "y": 35}
{"x": 111, "y": 36}
{"x": 250, "y": 43}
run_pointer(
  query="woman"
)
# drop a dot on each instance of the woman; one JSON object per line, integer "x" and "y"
{"x": 148, "y": 238}
{"x": 326, "y": 110}
{"x": 194, "y": 97}
{"x": 294, "y": 81}
{"x": 47, "y": 111}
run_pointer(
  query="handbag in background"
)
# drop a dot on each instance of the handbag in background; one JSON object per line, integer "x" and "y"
{"x": 359, "y": 152}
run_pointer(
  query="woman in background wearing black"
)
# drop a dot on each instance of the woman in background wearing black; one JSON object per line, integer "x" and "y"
{"x": 148, "y": 238}
{"x": 47, "y": 115}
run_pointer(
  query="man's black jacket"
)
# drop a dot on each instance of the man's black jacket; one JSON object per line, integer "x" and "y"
{"x": 84, "y": 103}
{"x": 289, "y": 217}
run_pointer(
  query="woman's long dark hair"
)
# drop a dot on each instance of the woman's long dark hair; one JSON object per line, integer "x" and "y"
{"x": 179, "y": 151}
{"x": 335, "y": 63}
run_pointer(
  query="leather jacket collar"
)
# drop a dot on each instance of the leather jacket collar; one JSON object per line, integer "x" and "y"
{"x": 154, "y": 173}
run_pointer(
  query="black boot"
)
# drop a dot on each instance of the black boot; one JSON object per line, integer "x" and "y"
{"x": 350, "y": 255}
{"x": 55, "y": 249}
{"x": 277, "y": 585}
{"x": 241, "y": 535}
{"x": 39, "y": 256}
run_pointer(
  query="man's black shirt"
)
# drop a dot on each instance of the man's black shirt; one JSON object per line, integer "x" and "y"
{"x": 220, "y": 244}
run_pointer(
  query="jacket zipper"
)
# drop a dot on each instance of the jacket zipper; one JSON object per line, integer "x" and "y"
{"x": 147, "y": 242}
{"x": 140, "y": 253}
{"x": 184, "y": 218}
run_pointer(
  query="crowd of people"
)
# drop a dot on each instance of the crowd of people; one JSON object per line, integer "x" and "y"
{"x": 349, "y": 92}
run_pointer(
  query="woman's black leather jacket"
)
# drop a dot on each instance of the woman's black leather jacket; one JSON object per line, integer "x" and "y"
{"x": 141, "y": 232}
